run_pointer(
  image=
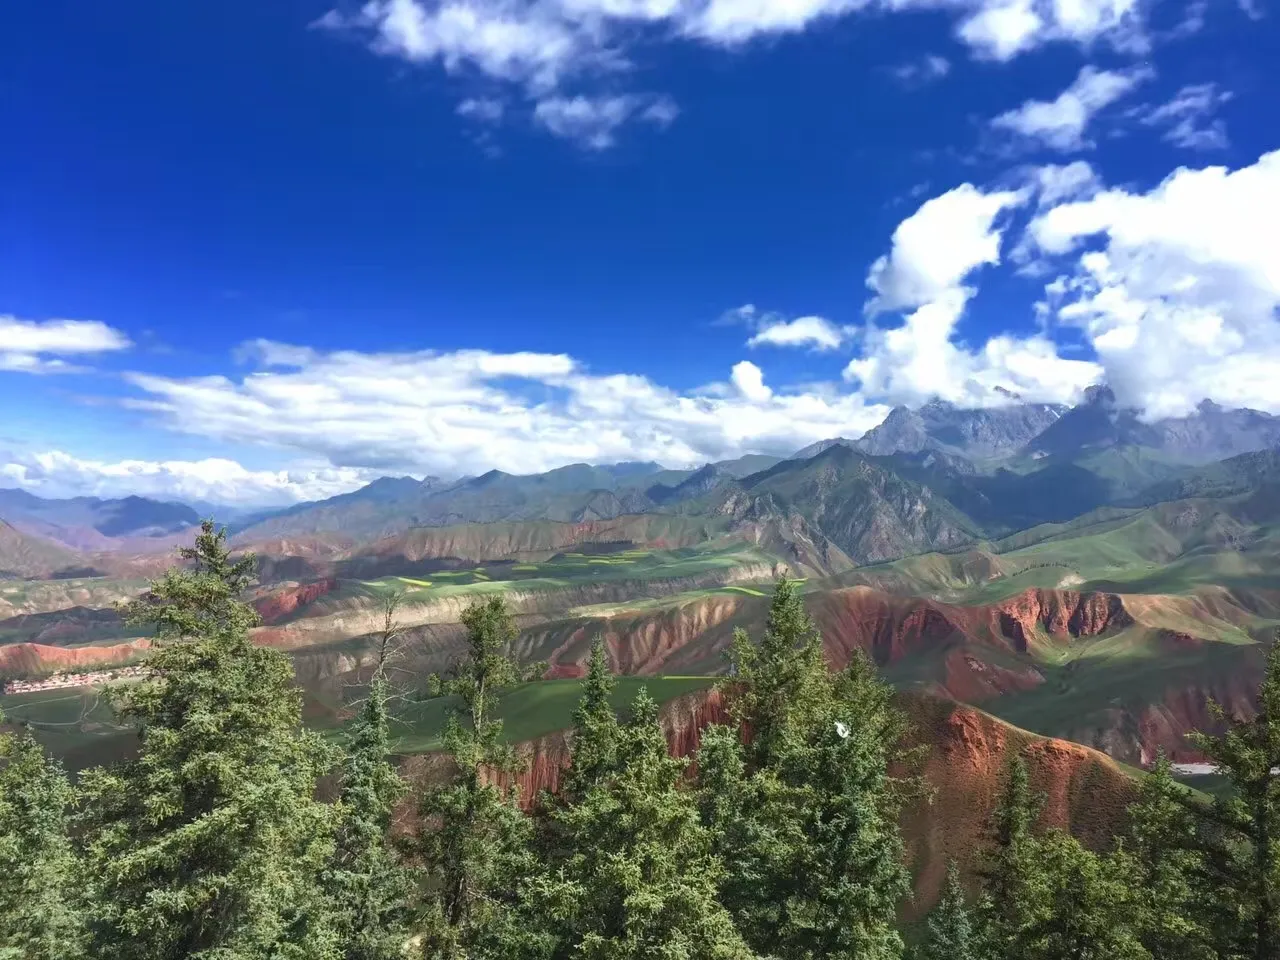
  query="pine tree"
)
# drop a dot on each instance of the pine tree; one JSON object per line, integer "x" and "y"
{"x": 1240, "y": 835}
{"x": 596, "y": 731}
{"x": 210, "y": 844}
{"x": 951, "y": 931}
{"x": 475, "y": 844}
{"x": 366, "y": 883}
{"x": 639, "y": 877}
{"x": 805, "y": 813}
{"x": 39, "y": 906}
{"x": 1166, "y": 870}
{"x": 1007, "y": 868}
{"x": 1077, "y": 905}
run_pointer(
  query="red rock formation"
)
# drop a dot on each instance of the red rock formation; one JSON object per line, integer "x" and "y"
{"x": 1060, "y": 613}
{"x": 277, "y": 605}
{"x": 37, "y": 659}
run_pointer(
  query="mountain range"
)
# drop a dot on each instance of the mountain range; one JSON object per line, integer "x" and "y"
{"x": 1079, "y": 572}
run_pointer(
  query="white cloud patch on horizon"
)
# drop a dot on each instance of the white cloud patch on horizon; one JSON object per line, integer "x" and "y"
{"x": 471, "y": 410}
{"x": 41, "y": 346}
{"x": 1060, "y": 124}
{"x": 57, "y": 474}
{"x": 1177, "y": 289}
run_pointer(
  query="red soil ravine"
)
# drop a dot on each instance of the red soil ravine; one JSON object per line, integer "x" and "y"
{"x": 31, "y": 659}
{"x": 280, "y": 603}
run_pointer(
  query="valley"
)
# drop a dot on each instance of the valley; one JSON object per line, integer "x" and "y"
{"x": 1074, "y": 572}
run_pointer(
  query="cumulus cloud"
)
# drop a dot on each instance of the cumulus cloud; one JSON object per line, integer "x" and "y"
{"x": 938, "y": 246}
{"x": 935, "y": 252}
{"x": 1177, "y": 289}
{"x": 540, "y": 46}
{"x": 35, "y": 346}
{"x": 469, "y": 411}
{"x": 1060, "y": 124}
{"x": 815, "y": 332}
{"x": 54, "y": 473}
{"x": 1188, "y": 118}
{"x": 591, "y": 122}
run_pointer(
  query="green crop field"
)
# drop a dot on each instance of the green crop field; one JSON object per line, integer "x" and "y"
{"x": 565, "y": 570}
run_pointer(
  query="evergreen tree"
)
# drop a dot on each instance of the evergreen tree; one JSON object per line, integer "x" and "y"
{"x": 1166, "y": 870}
{"x": 1007, "y": 872}
{"x": 210, "y": 844}
{"x": 596, "y": 731}
{"x": 367, "y": 884}
{"x": 39, "y": 918}
{"x": 1077, "y": 905}
{"x": 805, "y": 813}
{"x": 951, "y": 931}
{"x": 476, "y": 844}
{"x": 1240, "y": 835}
{"x": 639, "y": 879}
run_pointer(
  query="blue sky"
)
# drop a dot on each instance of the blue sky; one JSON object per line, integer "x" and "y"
{"x": 263, "y": 252}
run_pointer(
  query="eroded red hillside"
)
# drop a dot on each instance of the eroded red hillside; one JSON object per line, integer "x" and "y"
{"x": 37, "y": 659}
{"x": 278, "y": 604}
{"x": 968, "y": 751}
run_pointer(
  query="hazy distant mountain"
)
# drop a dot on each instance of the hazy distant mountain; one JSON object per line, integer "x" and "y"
{"x": 978, "y": 434}
{"x": 90, "y": 522}
{"x": 1211, "y": 433}
{"x": 1236, "y": 475}
{"x": 24, "y": 555}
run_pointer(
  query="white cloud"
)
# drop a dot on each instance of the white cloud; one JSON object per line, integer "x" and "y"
{"x": 541, "y": 45}
{"x": 1003, "y": 29}
{"x": 592, "y": 122}
{"x": 935, "y": 251}
{"x": 482, "y": 109}
{"x": 35, "y": 346}
{"x": 1060, "y": 124}
{"x": 938, "y": 246}
{"x": 1177, "y": 289}
{"x": 54, "y": 473}
{"x": 816, "y": 332}
{"x": 924, "y": 70}
{"x": 749, "y": 379}
{"x": 1072, "y": 181}
{"x": 470, "y": 411}
{"x": 1188, "y": 117}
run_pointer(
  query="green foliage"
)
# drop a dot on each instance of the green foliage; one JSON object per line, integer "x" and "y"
{"x": 805, "y": 812}
{"x": 1166, "y": 869}
{"x": 1077, "y": 905}
{"x": 1008, "y": 868}
{"x": 952, "y": 934}
{"x": 639, "y": 877}
{"x": 1240, "y": 835}
{"x": 210, "y": 843}
{"x": 596, "y": 732}
{"x": 366, "y": 883}
{"x": 475, "y": 845}
{"x": 39, "y": 916}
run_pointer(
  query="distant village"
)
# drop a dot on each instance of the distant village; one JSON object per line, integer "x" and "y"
{"x": 64, "y": 680}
